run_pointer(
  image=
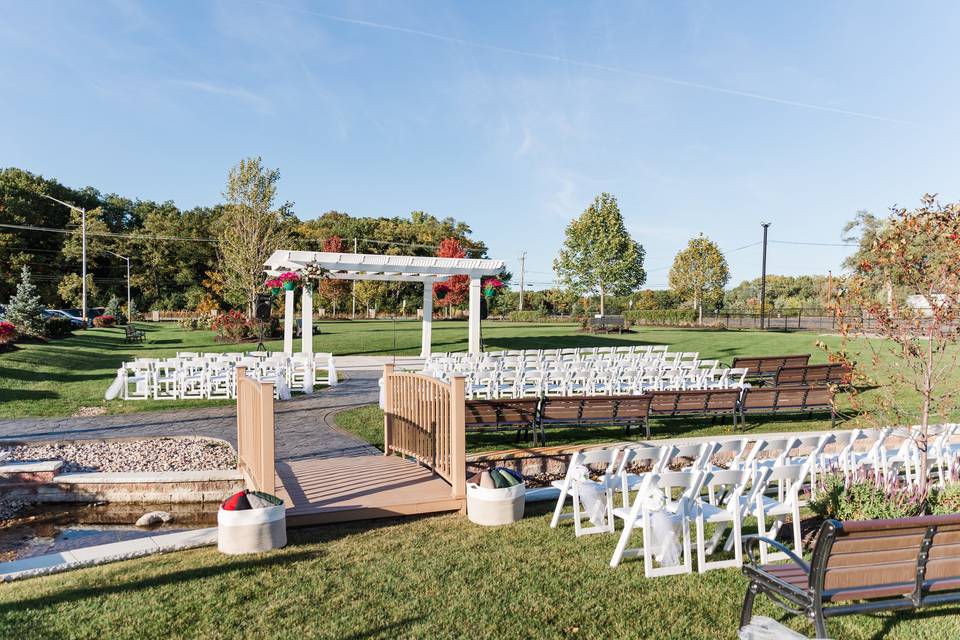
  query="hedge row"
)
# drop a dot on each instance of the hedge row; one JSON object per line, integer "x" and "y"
{"x": 662, "y": 317}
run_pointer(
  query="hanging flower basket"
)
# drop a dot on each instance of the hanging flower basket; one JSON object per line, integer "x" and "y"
{"x": 289, "y": 280}
{"x": 491, "y": 286}
{"x": 274, "y": 285}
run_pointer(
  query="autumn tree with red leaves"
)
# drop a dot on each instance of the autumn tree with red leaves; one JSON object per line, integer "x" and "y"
{"x": 911, "y": 339}
{"x": 454, "y": 290}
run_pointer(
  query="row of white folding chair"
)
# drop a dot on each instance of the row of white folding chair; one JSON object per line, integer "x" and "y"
{"x": 725, "y": 504}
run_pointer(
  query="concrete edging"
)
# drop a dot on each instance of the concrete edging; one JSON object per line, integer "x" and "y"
{"x": 106, "y": 553}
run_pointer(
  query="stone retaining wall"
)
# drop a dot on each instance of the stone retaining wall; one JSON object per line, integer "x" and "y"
{"x": 159, "y": 488}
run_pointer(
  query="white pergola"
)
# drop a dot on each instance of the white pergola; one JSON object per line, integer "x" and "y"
{"x": 365, "y": 266}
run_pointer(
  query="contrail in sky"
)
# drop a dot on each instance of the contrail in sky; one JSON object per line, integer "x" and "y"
{"x": 595, "y": 66}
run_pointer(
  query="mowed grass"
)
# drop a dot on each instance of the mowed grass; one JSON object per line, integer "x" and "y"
{"x": 437, "y": 577}
{"x": 58, "y": 377}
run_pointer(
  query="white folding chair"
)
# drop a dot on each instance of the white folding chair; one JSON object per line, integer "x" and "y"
{"x": 727, "y": 512}
{"x": 788, "y": 481}
{"x": 658, "y": 457}
{"x": 166, "y": 379}
{"x": 140, "y": 376}
{"x": 221, "y": 381}
{"x": 193, "y": 378}
{"x": 678, "y": 514}
{"x": 572, "y": 486}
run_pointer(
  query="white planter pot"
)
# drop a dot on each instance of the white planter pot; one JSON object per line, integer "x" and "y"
{"x": 491, "y": 507}
{"x": 251, "y": 530}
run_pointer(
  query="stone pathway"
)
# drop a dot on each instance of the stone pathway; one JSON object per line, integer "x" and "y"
{"x": 305, "y": 426}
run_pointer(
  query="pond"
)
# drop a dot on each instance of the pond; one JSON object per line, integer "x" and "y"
{"x": 53, "y": 528}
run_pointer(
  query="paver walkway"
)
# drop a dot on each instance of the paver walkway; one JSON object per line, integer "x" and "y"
{"x": 305, "y": 427}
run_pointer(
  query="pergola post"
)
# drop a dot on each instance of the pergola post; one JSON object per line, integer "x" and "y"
{"x": 306, "y": 319}
{"x": 474, "y": 320}
{"x": 427, "y": 332}
{"x": 288, "y": 312}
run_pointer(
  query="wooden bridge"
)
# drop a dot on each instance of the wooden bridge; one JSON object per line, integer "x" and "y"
{"x": 422, "y": 471}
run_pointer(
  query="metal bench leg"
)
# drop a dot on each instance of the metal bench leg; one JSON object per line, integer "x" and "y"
{"x": 746, "y": 612}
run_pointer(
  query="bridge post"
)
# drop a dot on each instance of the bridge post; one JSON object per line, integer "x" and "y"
{"x": 387, "y": 407}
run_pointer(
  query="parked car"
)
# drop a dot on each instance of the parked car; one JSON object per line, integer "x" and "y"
{"x": 74, "y": 315}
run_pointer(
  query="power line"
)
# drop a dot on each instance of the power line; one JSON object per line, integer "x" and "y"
{"x": 816, "y": 244}
{"x": 106, "y": 234}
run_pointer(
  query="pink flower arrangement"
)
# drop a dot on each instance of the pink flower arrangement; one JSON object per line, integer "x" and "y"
{"x": 289, "y": 276}
{"x": 273, "y": 283}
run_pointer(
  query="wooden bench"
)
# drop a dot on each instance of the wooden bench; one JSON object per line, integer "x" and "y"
{"x": 134, "y": 334}
{"x": 594, "y": 411}
{"x": 813, "y": 375}
{"x": 607, "y": 324}
{"x": 502, "y": 414}
{"x": 771, "y": 400}
{"x": 861, "y": 567}
{"x": 706, "y": 402}
{"x": 767, "y": 366}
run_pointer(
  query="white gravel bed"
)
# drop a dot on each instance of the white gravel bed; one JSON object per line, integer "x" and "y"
{"x": 150, "y": 454}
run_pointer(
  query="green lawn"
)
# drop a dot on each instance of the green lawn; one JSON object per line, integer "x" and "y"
{"x": 58, "y": 377}
{"x": 439, "y": 577}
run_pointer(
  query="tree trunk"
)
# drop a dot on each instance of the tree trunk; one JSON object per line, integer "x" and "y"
{"x": 602, "y": 308}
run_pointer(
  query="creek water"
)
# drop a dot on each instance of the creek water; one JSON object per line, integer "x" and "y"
{"x": 54, "y": 528}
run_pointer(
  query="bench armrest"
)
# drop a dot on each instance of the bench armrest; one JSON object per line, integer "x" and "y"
{"x": 753, "y": 542}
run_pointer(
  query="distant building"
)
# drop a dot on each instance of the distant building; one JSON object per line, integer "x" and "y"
{"x": 922, "y": 304}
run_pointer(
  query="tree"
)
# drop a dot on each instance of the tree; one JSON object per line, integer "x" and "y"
{"x": 70, "y": 289}
{"x": 24, "y": 310}
{"x": 699, "y": 273}
{"x": 916, "y": 252}
{"x": 334, "y": 290}
{"x": 599, "y": 255}
{"x": 252, "y": 229}
{"x": 454, "y": 290}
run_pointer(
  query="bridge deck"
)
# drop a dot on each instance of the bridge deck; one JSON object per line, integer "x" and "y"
{"x": 329, "y": 490}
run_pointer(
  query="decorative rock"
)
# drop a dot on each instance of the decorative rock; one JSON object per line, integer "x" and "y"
{"x": 154, "y": 517}
{"x": 148, "y": 454}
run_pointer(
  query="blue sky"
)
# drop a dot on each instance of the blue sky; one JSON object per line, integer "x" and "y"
{"x": 699, "y": 116}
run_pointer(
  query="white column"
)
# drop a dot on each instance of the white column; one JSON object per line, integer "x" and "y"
{"x": 474, "y": 341}
{"x": 306, "y": 319}
{"x": 288, "y": 322}
{"x": 427, "y": 332}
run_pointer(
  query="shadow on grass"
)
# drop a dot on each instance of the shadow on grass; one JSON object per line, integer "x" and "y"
{"x": 78, "y": 594}
{"x": 27, "y": 394}
{"x": 900, "y": 617}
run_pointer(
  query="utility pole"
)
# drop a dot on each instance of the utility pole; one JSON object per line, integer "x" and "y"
{"x": 83, "y": 252}
{"x": 763, "y": 278}
{"x": 523, "y": 258}
{"x": 353, "y": 313}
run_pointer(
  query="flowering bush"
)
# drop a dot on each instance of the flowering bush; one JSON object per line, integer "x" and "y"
{"x": 104, "y": 321}
{"x": 944, "y": 501}
{"x": 232, "y": 326}
{"x": 867, "y": 496}
{"x": 8, "y": 332}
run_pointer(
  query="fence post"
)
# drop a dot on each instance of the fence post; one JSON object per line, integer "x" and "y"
{"x": 387, "y": 407}
{"x": 241, "y": 374}
{"x": 266, "y": 462}
{"x": 458, "y": 439}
